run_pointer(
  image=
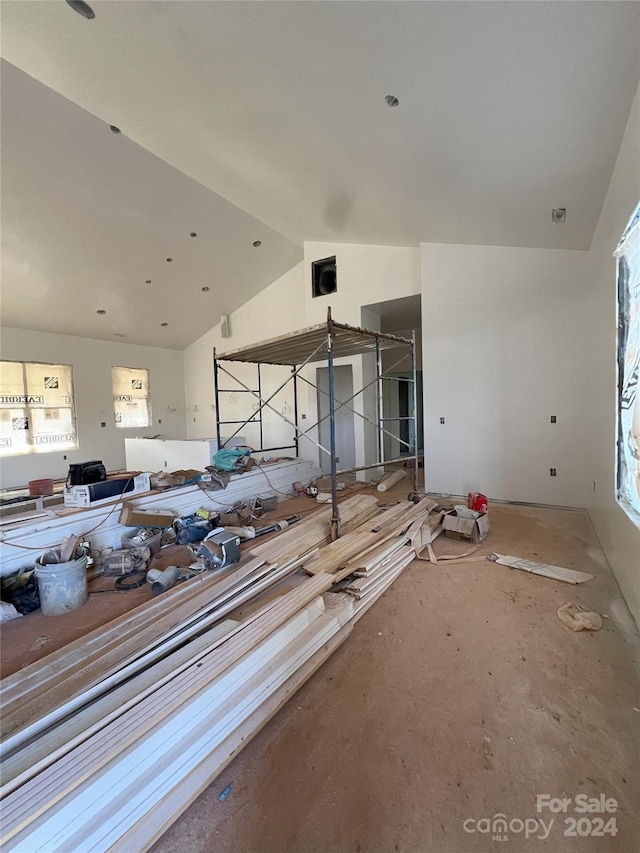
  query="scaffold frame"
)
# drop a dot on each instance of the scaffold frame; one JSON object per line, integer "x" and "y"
{"x": 324, "y": 342}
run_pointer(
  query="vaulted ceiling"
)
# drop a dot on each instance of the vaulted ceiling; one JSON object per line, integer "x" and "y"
{"x": 267, "y": 120}
{"x": 89, "y": 219}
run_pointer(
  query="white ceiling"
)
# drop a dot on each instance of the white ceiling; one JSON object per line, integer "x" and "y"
{"x": 507, "y": 109}
{"x": 89, "y": 216}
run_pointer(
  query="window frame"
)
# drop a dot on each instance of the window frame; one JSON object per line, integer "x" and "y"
{"x": 118, "y": 397}
{"x": 627, "y": 464}
{"x": 28, "y": 409}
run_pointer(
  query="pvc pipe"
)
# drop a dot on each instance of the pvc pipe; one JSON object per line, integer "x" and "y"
{"x": 165, "y": 580}
{"x": 390, "y": 480}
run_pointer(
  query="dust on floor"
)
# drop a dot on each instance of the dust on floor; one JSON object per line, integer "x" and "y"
{"x": 458, "y": 697}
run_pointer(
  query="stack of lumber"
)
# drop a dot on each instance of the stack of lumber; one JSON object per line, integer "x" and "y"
{"x": 108, "y": 740}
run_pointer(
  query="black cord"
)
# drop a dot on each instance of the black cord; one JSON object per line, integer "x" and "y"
{"x": 125, "y": 582}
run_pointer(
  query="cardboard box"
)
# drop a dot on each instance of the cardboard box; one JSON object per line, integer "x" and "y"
{"x": 99, "y": 493}
{"x": 131, "y": 516}
{"x": 468, "y": 529}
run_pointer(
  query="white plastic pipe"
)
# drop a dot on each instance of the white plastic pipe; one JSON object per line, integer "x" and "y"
{"x": 390, "y": 480}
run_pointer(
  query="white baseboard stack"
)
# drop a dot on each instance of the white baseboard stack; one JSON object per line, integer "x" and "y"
{"x": 43, "y": 530}
{"x": 108, "y": 740}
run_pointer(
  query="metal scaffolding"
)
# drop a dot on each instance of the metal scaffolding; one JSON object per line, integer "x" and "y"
{"x": 325, "y": 342}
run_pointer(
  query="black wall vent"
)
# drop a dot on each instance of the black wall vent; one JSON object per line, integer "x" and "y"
{"x": 324, "y": 277}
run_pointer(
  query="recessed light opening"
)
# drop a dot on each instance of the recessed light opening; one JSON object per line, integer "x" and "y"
{"x": 559, "y": 214}
{"x": 169, "y": 260}
{"x": 101, "y": 311}
{"x": 148, "y": 281}
{"x": 114, "y": 129}
{"x": 205, "y": 289}
{"x": 82, "y": 8}
{"x": 164, "y": 324}
{"x": 391, "y": 101}
{"x": 193, "y": 234}
{"x": 256, "y": 244}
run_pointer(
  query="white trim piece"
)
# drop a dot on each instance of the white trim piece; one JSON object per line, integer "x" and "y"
{"x": 23, "y": 765}
{"x": 192, "y": 724}
{"x": 135, "y": 801}
{"x": 121, "y": 767}
{"x": 161, "y": 815}
{"x": 557, "y": 573}
{"x": 362, "y": 584}
{"x": 217, "y": 658}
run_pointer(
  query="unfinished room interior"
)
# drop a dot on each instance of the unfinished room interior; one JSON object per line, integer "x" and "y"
{"x": 320, "y": 426}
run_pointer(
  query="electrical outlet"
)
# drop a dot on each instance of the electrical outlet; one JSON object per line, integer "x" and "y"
{"x": 441, "y": 420}
{"x": 304, "y": 417}
{"x": 553, "y": 472}
{"x": 103, "y": 424}
{"x": 159, "y": 420}
{"x": 553, "y": 419}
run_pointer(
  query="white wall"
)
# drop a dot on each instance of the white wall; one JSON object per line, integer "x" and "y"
{"x": 620, "y": 538}
{"x": 365, "y": 274}
{"x": 92, "y": 362}
{"x": 274, "y": 311}
{"x": 506, "y": 335}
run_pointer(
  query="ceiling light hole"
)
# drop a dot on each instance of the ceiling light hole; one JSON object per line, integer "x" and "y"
{"x": 82, "y": 8}
{"x": 193, "y": 234}
{"x": 391, "y": 101}
{"x": 205, "y": 289}
{"x": 256, "y": 244}
{"x": 114, "y": 129}
{"x": 169, "y": 260}
{"x": 101, "y": 311}
{"x": 148, "y": 281}
{"x": 120, "y": 335}
{"x": 559, "y": 214}
{"x": 164, "y": 324}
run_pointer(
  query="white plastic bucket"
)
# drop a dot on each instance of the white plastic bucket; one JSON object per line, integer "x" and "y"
{"x": 62, "y": 586}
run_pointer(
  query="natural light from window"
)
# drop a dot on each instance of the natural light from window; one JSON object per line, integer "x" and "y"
{"x": 37, "y": 412}
{"x": 131, "y": 397}
{"x": 628, "y": 436}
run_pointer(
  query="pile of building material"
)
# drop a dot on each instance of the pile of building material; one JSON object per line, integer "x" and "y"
{"x": 106, "y": 741}
{"x": 103, "y": 524}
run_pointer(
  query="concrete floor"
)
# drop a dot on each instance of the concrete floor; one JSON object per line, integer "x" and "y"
{"x": 459, "y": 695}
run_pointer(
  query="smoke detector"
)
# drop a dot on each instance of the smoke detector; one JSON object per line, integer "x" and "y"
{"x": 559, "y": 214}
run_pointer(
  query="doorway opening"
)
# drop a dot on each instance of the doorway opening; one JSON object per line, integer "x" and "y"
{"x": 400, "y": 317}
{"x": 344, "y": 419}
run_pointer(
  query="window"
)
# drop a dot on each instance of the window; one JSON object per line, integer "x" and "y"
{"x": 37, "y": 412}
{"x": 628, "y": 437}
{"x": 131, "y": 397}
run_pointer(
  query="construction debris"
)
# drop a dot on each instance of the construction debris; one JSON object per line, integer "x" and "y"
{"x": 556, "y": 573}
{"x": 107, "y": 741}
{"x": 579, "y": 618}
{"x": 390, "y": 480}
